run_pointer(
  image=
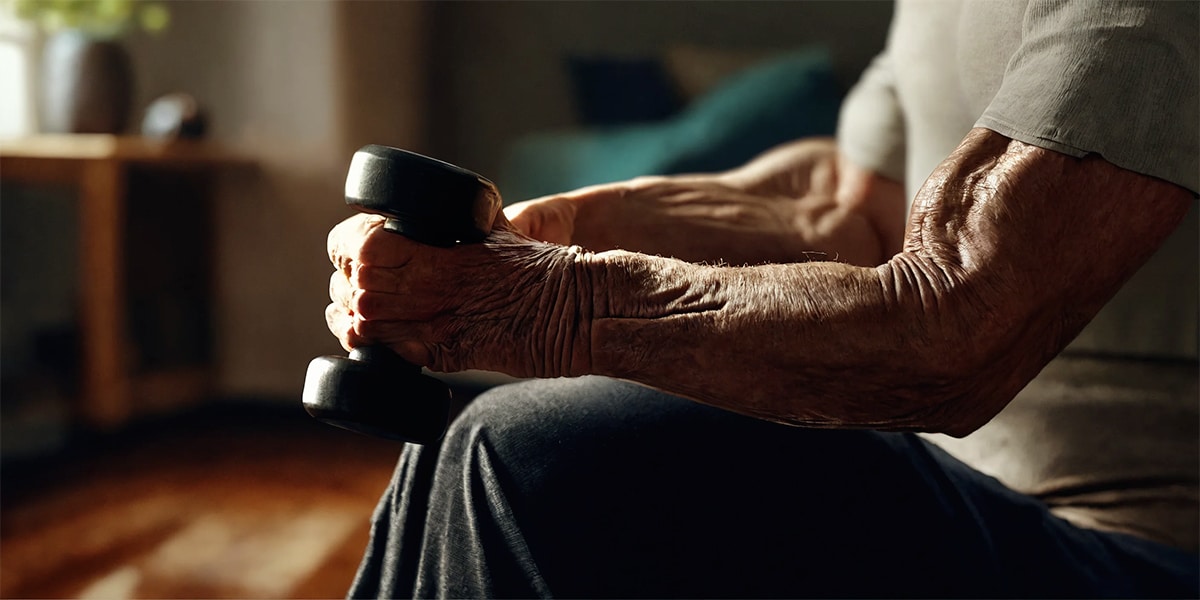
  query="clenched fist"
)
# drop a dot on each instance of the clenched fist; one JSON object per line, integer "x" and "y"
{"x": 509, "y": 304}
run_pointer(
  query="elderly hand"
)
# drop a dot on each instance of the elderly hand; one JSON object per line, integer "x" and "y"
{"x": 508, "y": 304}
{"x": 697, "y": 219}
{"x": 788, "y": 205}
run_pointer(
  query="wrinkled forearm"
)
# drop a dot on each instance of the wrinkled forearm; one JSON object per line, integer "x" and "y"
{"x": 1011, "y": 250}
{"x": 816, "y": 344}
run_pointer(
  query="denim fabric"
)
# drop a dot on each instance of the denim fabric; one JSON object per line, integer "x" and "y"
{"x": 596, "y": 488}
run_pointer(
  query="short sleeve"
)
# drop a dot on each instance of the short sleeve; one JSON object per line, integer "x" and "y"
{"x": 871, "y": 124}
{"x": 1119, "y": 79}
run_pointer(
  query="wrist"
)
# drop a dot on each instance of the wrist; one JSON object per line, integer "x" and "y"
{"x": 565, "y": 312}
{"x": 639, "y": 301}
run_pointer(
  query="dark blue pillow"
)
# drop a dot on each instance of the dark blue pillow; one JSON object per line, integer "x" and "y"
{"x": 620, "y": 91}
{"x": 782, "y": 99}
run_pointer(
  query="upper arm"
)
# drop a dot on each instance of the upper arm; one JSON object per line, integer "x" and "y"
{"x": 1117, "y": 79}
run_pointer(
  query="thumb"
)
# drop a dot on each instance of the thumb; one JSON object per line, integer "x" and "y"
{"x": 550, "y": 219}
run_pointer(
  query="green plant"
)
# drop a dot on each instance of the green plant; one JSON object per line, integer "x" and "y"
{"x": 101, "y": 18}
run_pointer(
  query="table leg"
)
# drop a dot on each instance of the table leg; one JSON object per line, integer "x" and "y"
{"x": 106, "y": 389}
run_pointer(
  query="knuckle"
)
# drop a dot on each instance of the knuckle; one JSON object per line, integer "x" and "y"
{"x": 365, "y": 304}
{"x": 341, "y": 237}
{"x": 381, "y": 247}
{"x": 360, "y": 274}
{"x": 370, "y": 246}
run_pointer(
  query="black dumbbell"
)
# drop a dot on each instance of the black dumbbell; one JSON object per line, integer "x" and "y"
{"x": 374, "y": 391}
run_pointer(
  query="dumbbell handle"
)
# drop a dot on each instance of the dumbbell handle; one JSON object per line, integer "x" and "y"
{"x": 431, "y": 202}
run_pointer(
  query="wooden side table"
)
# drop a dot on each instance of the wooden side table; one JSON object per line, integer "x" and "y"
{"x": 100, "y": 167}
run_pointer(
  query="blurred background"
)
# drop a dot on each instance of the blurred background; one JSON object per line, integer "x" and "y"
{"x": 169, "y": 173}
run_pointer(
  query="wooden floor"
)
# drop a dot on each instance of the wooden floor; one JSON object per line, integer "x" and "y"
{"x": 225, "y": 503}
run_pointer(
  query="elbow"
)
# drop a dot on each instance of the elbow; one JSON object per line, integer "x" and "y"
{"x": 963, "y": 394}
{"x": 962, "y": 417}
{"x": 963, "y": 351}
{"x": 996, "y": 372}
{"x": 955, "y": 404}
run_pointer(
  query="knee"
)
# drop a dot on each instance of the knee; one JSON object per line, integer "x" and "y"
{"x": 541, "y": 428}
{"x": 501, "y": 411}
{"x": 518, "y": 435}
{"x": 541, "y": 407}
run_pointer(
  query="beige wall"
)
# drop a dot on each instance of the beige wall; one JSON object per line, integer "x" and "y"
{"x": 297, "y": 86}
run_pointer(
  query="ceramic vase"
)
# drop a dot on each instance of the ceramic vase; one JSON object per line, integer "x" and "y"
{"x": 86, "y": 84}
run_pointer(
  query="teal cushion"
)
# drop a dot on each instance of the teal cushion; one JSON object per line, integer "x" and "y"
{"x": 785, "y": 98}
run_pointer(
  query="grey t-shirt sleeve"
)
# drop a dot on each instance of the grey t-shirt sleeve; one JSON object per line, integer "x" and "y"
{"x": 871, "y": 125}
{"x": 1119, "y": 79}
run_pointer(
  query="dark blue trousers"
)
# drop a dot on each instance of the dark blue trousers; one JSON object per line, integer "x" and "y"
{"x": 596, "y": 488}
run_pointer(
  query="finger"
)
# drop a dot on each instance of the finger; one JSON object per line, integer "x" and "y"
{"x": 522, "y": 216}
{"x": 385, "y": 248}
{"x": 353, "y": 331}
{"x": 387, "y": 279}
{"x": 373, "y": 305}
{"x": 415, "y": 279}
{"x": 395, "y": 332}
{"x": 548, "y": 219}
{"x": 369, "y": 305}
{"x": 414, "y": 341}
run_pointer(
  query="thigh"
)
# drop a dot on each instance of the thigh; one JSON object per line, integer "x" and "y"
{"x": 619, "y": 490}
{"x": 624, "y": 491}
